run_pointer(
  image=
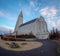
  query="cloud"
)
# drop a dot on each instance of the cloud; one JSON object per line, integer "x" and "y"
{"x": 36, "y": 9}
{"x": 44, "y": 11}
{"x": 48, "y": 11}
{"x": 58, "y": 23}
{"x": 52, "y": 19}
{"x": 7, "y": 15}
{"x": 6, "y": 29}
{"x": 32, "y": 4}
{"x": 26, "y": 10}
{"x": 54, "y": 23}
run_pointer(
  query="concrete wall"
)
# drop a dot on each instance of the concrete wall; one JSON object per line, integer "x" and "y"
{"x": 38, "y": 28}
{"x": 44, "y": 36}
{"x": 41, "y": 30}
{"x": 26, "y": 29}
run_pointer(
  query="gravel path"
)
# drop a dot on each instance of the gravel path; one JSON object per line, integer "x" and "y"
{"x": 48, "y": 49}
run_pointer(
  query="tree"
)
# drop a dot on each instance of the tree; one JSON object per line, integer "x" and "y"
{"x": 54, "y": 34}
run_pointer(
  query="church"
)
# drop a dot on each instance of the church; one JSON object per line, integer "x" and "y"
{"x": 37, "y": 26}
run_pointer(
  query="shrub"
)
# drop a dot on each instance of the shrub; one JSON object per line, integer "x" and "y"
{"x": 18, "y": 37}
{"x": 58, "y": 49}
{"x": 14, "y": 45}
{"x": 25, "y": 36}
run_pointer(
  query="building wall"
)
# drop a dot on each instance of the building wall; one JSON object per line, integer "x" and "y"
{"x": 39, "y": 29}
{"x": 26, "y": 29}
{"x": 42, "y": 31}
{"x": 42, "y": 36}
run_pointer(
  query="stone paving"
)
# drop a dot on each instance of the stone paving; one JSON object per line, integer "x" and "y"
{"x": 48, "y": 49}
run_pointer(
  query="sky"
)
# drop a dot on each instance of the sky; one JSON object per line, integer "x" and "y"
{"x": 10, "y": 9}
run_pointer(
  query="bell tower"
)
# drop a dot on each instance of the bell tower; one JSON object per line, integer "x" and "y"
{"x": 19, "y": 21}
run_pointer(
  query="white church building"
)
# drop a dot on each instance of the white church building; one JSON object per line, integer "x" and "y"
{"x": 37, "y": 27}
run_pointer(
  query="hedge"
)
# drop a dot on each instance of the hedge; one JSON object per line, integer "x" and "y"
{"x": 18, "y": 37}
{"x": 24, "y": 36}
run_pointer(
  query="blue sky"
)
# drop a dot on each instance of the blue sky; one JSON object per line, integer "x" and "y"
{"x": 10, "y": 9}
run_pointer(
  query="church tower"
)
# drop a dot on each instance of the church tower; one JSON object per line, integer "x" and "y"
{"x": 19, "y": 21}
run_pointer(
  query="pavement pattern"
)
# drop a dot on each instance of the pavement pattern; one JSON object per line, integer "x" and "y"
{"x": 48, "y": 49}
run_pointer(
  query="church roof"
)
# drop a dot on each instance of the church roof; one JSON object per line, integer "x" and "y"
{"x": 28, "y": 22}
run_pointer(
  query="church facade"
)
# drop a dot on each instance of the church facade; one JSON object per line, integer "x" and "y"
{"x": 37, "y": 27}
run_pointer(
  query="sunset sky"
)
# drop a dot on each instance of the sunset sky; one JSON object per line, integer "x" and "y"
{"x": 10, "y": 9}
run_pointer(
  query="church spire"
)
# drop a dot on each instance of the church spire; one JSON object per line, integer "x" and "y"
{"x": 19, "y": 21}
{"x": 21, "y": 14}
